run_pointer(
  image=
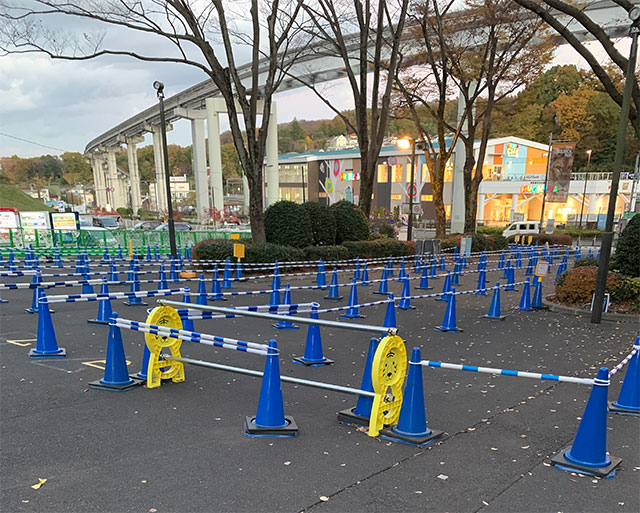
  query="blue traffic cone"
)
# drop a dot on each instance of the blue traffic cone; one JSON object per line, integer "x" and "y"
{"x": 424, "y": 279}
{"x": 286, "y": 301}
{"x": 187, "y": 324}
{"x": 629, "y": 398}
{"x": 202, "y": 292}
{"x": 227, "y": 274}
{"x": 135, "y": 287}
{"x": 525, "y": 300}
{"x": 383, "y": 288}
{"x": 58, "y": 259}
{"x": 274, "y": 300}
{"x": 405, "y": 300}
{"x": 162, "y": 278}
{"x": 352, "y": 312}
{"x": 510, "y": 279}
{"x": 313, "y": 356}
{"x": 321, "y": 277}
{"x": 443, "y": 262}
{"x": 87, "y": 288}
{"x": 501, "y": 261}
{"x": 365, "y": 275}
{"x": 417, "y": 265}
{"x": 507, "y": 267}
{"x": 46, "y": 343}
{"x": 173, "y": 274}
{"x": 105, "y": 256}
{"x": 588, "y": 453}
{"x": 390, "y": 314}
{"x": 216, "y": 291}
{"x": 356, "y": 273}
{"x": 35, "y": 281}
{"x": 402, "y": 273}
{"x": 113, "y": 271}
{"x": 455, "y": 275}
{"x": 519, "y": 260}
{"x": 120, "y": 256}
{"x": 149, "y": 257}
{"x": 449, "y": 321}
{"x": 390, "y": 267}
{"x": 104, "y": 306}
{"x": 481, "y": 288}
{"x": 116, "y": 378}
{"x": 270, "y": 420}
{"x": 536, "y": 302}
{"x": 146, "y": 354}
{"x": 412, "y": 423}
{"x": 445, "y": 288}
{"x": 494, "y": 309}
{"x": 238, "y": 270}
{"x": 334, "y": 294}
{"x": 276, "y": 277}
{"x": 433, "y": 272}
{"x": 180, "y": 262}
{"x": 359, "y": 415}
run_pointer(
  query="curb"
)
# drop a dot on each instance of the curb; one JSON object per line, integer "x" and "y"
{"x": 607, "y": 316}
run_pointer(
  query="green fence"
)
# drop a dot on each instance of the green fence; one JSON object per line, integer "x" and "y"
{"x": 96, "y": 240}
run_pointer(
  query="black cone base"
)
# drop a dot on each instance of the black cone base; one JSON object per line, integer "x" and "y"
{"x": 62, "y": 354}
{"x": 492, "y": 318}
{"x": 619, "y": 409}
{"x": 339, "y": 298}
{"x": 128, "y": 303}
{"x": 290, "y": 430}
{"x": 419, "y": 441}
{"x": 348, "y": 417}
{"x": 117, "y": 388}
{"x": 97, "y": 322}
{"x": 312, "y": 363}
{"x": 564, "y": 464}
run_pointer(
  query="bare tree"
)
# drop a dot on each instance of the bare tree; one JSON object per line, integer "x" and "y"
{"x": 191, "y": 27}
{"x": 499, "y": 49}
{"x": 366, "y": 37}
{"x": 548, "y": 10}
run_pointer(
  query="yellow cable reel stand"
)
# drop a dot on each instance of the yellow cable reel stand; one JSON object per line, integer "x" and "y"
{"x": 388, "y": 372}
{"x": 158, "y": 369}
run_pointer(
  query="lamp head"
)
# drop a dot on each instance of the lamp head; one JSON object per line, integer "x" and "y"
{"x": 634, "y": 14}
{"x": 158, "y": 86}
{"x": 404, "y": 144}
{"x": 589, "y": 152}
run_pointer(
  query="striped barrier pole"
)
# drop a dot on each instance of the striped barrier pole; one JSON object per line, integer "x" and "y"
{"x": 78, "y": 298}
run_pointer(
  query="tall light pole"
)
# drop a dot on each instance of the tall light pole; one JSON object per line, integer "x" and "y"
{"x": 405, "y": 144}
{"x": 159, "y": 87}
{"x": 607, "y": 236}
{"x": 584, "y": 192}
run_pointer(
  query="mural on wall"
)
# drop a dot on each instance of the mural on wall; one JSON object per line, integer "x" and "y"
{"x": 514, "y": 161}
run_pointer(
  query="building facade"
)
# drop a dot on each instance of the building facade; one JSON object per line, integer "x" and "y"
{"x": 511, "y": 190}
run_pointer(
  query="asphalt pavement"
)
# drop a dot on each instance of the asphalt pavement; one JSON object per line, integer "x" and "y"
{"x": 181, "y": 447}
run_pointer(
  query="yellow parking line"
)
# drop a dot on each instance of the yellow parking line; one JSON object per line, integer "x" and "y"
{"x": 22, "y": 342}
{"x": 99, "y": 364}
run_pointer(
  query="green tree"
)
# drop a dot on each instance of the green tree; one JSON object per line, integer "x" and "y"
{"x": 76, "y": 169}
{"x": 231, "y": 166}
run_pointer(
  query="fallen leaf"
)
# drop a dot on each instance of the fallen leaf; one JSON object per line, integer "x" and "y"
{"x": 40, "y": 482}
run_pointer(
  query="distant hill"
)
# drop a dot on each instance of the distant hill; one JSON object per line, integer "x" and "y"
{"x": 12, "y": 197}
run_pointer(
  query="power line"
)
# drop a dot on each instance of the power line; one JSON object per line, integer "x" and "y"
{"x": 32, "y": 142}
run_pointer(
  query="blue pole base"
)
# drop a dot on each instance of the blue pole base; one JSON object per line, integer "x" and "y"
{"x": 97, "y": 322}
{"x": 418, "y": 440}
{"x": 494, "y": 318}
{"x": 335, "y": 298}
{"x": 562, "y": 463}
{"x": 117, "y": 387}
{"x": 446, "y": 330}
{"x": 351, "y": 316}
{"x": 285, "y": 325}
{"x": 60, "y": 353}
{"x": 614, "y": 407}
{"x": 406, "y": 307}
{"x": 252, "y": 430}
{"x": 301, "y": 360}
{"x": 135, "y": 303}
{"x": 352, "y": 419}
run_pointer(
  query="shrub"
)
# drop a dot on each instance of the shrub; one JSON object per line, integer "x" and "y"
{"x": 479, "y": 242}
{"x": 327, "y": 253}
{"x": 586, "y": 262}
{"x": 146, "y": 215}
{"x": 496, "y": 242}
{"x": 626, "y": 288}
{"x": 490, "y": 230}
{"x": 379, "y": 248}
{"x": 384, "y": 227}
{"x": 323, "y": 223}
{"x": 287, "y": 223}
{"x": 375, "y": 235}
{"x": 542, "y": 238}
{"x": 124, "y": 212}
{"x": 351, "y": 223}
{"x": 628, "y": 248}
{"x": 255, "y": 253}
{"x": 578, "y": 285}
{"x": 213, "y": 249}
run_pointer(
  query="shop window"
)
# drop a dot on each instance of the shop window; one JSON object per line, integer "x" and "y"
{"x": 426, "y": 197}
{"x": 396, "y": 196}
{"x": 383, "y": 173}
{"x": 396, "y": 173}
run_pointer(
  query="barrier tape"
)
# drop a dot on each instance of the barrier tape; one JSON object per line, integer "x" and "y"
{"x": 190, "y": 313}
{"x": 514, "y": 373}
{"x": 194, "y": 336}
{"x": 458, "y": 292}
{"x": 78, "y": 298}
{"x": 362, "y": 305}
{"x": 625, "y": 361}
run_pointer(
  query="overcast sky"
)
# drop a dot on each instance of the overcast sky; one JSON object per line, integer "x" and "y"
{"x": 65, "y": 104}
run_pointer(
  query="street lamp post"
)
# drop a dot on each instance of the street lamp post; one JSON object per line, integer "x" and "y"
{"x": 159, "y": 87}
{"x": 607, "y": 236}
{"x": 404, "y": 144}
{"x": 584, "y": 192}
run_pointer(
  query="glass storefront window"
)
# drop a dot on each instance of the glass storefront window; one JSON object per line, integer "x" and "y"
{"x": 396, "y": 173}
{"x": 383, "y": 173}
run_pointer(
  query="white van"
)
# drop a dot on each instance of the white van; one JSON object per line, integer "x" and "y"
{"x": 522, "y": 228}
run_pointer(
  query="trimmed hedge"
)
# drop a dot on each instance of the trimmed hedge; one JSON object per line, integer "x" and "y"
{"x": 257, "y": 253}
{"x": 323, "y": 223}
{"x": 578, "y": 285}
{"x": 579, "y": 232}
{"x": 479, "y": 242}
{"x": 628, "y": 248}
{"x": 490, "y": 230}
{"x": 379, "y": 248}
{"x": 384, "y": 227}
{"x": 559, "y": 239}
{"x": 213, "y": 249}
{"x": 287, "y": 223}
{"x": 326, "y": 253}
{"x": 351, "y": 223}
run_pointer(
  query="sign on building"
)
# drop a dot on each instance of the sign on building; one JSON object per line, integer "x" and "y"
{"x": 560, "y": 171}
